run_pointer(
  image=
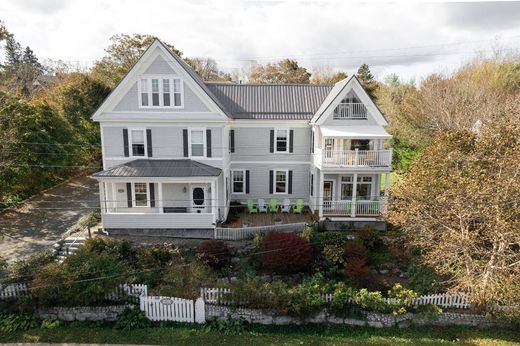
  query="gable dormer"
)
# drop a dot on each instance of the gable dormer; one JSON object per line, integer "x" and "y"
{"x": 160, "y": 86}
{"x": 348, "y": 104}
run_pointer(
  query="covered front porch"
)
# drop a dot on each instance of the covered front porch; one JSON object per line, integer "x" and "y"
{"x": 162, "y": 194}
{"x": 352, "y": 195}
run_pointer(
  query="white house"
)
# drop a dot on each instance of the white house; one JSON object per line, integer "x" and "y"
{"x": 177, "y": 150}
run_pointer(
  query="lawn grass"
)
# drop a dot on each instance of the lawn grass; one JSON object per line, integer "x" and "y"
{"x": 271, "y": 335}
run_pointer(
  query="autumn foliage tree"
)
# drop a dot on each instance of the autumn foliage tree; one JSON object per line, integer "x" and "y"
{"x": 460, "y": 204}
{"x": 284, "y": 71}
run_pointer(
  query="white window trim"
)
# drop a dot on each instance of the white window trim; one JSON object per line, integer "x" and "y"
{"x": 130, "y": 141}
{"x": 287, "y": 151}
{"x": 205, "y": 149}
{"x": 161, "y": 100}
{"x": 286, "y": 181}
{"x": 134, "y": 204}
{"x": 243, "y": 182}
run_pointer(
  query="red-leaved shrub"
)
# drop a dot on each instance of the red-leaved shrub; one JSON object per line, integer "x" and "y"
{"x": 214, "y": 253}
{"x": 285, "y": 253}
{"x": 355, "y": 249}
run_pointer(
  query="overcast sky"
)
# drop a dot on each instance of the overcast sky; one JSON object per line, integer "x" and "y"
{"x": 411, "y": 40}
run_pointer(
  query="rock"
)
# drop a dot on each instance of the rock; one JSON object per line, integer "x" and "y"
{"x": 233, "y": 279}
{"x": 383, "y": 271}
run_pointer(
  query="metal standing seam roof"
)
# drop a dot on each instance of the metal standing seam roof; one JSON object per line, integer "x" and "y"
{"x": 270, "y": 101}
{"x": 160, "y": 168}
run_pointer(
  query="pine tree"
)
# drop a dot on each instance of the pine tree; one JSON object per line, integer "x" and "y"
{"x": 367, "y": 79}
{"x": 13, "y": 53}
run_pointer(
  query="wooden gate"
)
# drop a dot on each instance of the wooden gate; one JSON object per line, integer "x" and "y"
{"x": 160, "y": 308}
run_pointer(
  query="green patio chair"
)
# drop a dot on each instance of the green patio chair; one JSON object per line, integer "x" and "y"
{"x": 273, "y": 205}
{"x": 251, "y": 209}
{"x": 298, "y": 208}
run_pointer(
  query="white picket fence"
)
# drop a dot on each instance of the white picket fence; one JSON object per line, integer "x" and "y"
{"x": 223, "y": 296}
{"x": 13, "y": 291}
{"x": 125, "y": 291}
{"x": 248, "y": 232}
{"x": 159, "y": 308}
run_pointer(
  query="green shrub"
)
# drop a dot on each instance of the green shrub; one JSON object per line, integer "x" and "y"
{"x": 306, "y": 299}
{"x": 83, "y": 279}
{"x": 227, "y": 327}
{"x": 25, "y": 270}
{"x": 322, "y": 239}
{"x": 285, "y": 253}
{"x": 10, "y": 323}
{"x": 187, "y": 280}
{"x": 370, "y": 301}
{"x": 132, "y": 319}
{"x": 371, "y": 238}
{"x": 423, "y": 279}
{"x": 215, "y": 253}
{"x": 342, "y": 304}
{"x": 120, "y": 249}
{"x": 50, "y": 323}
{"x": 334, "y": 254}
{"x": 155, "y": 258}
{"x": 404, "y": 299}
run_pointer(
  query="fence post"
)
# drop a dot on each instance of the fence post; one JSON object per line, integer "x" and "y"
{"x": 200, "y": 311}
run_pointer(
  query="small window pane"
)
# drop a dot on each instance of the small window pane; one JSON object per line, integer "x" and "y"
{"x": 177, "y": 99}
{"x": 281, "y": 140}
{"x": 177, "y": 85}
{"x": 280, "y": 181}
{"x": 141, "y": 197}
{"x": 137, "y": 143}
{"x": 155, "y": 99}
{"x": 155, "y": 85}
{"x": 238, "y": 181}
{"x": 144, "y": 92}
{"x": 197, "y": 136}
{"x": 166, "y": 85}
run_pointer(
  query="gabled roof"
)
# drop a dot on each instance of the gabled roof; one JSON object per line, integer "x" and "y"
{"x": 270, "y": 101}
{"x": 160, "y": 168}
{"x": 130, "y": 74}
{"x": 338, "y": 90}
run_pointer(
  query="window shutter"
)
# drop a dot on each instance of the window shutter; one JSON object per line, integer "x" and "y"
{"x": 232, "y": 141}
{"x": 208, "y": 143}
{"x": 185, "y": 141}
{"x": 125, "y": 142}
{"x": 129, "y": 194}
{"x": 149, "y": 142}
{"x": 152, "y": 195}
{"x": 270, "y": 181}
{"x": 271, "y": 145}
{"x": 291, "y": 137}
{"x": 312, "y": 184}
{"x": 290, "y": 182}
{"x": 312, "y": 142}
{"x": 247, "y": 181}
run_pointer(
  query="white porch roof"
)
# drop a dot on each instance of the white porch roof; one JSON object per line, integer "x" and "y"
{"x": 355, "y": 132}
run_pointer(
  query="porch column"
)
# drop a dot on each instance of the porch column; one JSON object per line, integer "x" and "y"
{"x": 160, "y": 203}
{"x": 213, "y": 201}
{"x": 102, "y": 197}
{"x": 320, "y": 195}
{"x": 114, "y": 198}
{"x": 354, "y": 195}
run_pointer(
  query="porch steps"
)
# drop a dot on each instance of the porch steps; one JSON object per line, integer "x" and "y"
{"x": 66, "y": 247}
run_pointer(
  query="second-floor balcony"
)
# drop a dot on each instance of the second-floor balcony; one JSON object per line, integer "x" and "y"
{"x": 350, "y": 110}
{"x": 353, "y": 158}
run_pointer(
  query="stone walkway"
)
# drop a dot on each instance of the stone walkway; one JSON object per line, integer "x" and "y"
{"x": 39, "y": 223}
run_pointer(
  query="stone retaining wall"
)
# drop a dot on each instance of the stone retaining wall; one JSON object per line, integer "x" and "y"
{"x": 371, "y": 319}
{"x": 83, "y": 313}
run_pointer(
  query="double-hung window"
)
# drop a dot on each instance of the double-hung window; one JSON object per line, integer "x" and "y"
{"x": 238, "y": 179}
{"x": 137, "y": 141}
{"x": 280, "y": 181}
{"x": 160, "y": 92}
{"x": 141, "y": 194}
{"x": 197, "y": 143}
{"x": 281, "y": 140}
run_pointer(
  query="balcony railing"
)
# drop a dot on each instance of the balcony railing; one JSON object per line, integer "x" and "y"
{"x": 350, "y": 111}
{"x": 353, "y": 158}
{"x": 374, "y": 207}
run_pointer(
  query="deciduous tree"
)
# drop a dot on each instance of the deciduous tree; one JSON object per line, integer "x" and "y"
{"x": 284, "y": 71}
{"x": 326, "y": 75}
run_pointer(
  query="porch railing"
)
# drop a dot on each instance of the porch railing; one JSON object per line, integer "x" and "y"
{"x": 350, "y": 111}
{"x": 354, "y": 158}
{"x": 373, "y": 207}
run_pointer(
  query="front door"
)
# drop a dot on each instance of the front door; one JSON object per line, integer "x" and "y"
{"x": 198, "y": 199}
{"x": 328, "y": 188}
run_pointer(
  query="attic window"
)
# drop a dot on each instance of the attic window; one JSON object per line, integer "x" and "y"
{"x": 160, "y": 92}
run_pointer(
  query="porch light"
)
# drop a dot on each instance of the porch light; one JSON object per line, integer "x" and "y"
{"x": 184, "y": 189}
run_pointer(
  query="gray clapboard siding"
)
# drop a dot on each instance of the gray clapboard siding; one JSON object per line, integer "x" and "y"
{"x": 259, "y": 181}
{"x": 130, "y": 103}
{"x": 252, "y": 144}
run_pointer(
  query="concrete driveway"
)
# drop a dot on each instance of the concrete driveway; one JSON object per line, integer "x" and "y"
{"x": 35, "y": 225}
